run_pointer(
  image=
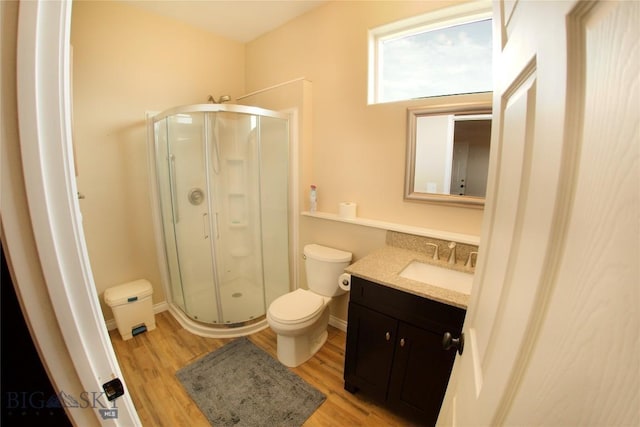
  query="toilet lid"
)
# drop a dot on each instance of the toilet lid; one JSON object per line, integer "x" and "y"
{"x": 296, "y": 306}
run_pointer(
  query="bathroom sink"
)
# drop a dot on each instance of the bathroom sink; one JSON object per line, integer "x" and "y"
{"x": 437, "y": 276}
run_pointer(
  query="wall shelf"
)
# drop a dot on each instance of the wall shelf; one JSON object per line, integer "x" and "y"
{"x": 402, "y": 228}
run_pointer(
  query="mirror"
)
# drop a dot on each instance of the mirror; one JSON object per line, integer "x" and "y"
{"x": 448, "y": 153}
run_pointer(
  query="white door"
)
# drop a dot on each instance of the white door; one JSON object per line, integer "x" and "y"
{"x": 552, "y": 329}
{"x": 45, "y": 141}
{"x": 460, "y": 161}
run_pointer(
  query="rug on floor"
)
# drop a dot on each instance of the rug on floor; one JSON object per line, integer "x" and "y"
{"x": 241, "y": 385}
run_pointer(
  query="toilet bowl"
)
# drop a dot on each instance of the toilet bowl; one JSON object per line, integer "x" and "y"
{"x": 300, "y": 318}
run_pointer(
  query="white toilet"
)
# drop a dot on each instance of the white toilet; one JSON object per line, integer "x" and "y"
{"x": 300, "y": 318}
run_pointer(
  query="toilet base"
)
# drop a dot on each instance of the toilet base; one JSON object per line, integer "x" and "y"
{"x": 298, "y": 345}
{"x": 295, "y": 350}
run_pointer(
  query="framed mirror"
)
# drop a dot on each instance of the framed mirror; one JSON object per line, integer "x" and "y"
{"x": 448, "y": 153}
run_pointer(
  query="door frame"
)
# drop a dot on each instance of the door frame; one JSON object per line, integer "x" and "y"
{"x": 44, "y": 111}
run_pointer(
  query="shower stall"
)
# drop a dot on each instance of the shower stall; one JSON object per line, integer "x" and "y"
{"x": 221, "y": 179}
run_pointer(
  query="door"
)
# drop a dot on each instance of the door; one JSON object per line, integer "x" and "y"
{"x": 371, "y": 340}
{"x": 459, "y": 168}
{"x": 186, "y": 214}
{"x": 234, "y": 143}
{"x": 47, "y": 160}
{"x": 552, "y": 327}
{"x": 421, "y": 370}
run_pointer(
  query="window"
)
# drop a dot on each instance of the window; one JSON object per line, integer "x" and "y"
{"x": 447, "y": 52}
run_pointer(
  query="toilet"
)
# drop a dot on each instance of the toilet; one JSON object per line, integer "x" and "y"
{"x": 300, "y": 318}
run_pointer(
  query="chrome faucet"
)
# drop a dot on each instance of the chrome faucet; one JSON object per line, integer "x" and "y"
{"x": 436, "y": 256}
{"x": 452, "y": 252}
{"x": 469, "y": 262}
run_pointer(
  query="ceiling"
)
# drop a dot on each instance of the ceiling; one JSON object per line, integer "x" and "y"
{"x": 240, "y": 20}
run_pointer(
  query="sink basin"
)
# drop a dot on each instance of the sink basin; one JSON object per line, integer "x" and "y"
{"x": 437, "y": 276}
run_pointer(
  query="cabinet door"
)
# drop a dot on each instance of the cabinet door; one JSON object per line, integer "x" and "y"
{"x": 369, "y": 352}
{"x": 420, "y": 373}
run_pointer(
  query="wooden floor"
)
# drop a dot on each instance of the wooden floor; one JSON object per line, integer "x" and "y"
{"x": 150, "y": 360}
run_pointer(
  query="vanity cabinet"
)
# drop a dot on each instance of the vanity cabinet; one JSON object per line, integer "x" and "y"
{"x": 394, "y": 348}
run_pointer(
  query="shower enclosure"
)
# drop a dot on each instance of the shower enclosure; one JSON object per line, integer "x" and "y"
{"x": 222, "y": 190}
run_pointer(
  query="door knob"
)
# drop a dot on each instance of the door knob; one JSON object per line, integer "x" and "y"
{"x": 449, "y": 342}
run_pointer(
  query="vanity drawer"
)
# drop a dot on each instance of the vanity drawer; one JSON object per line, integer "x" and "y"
{"x": 422, "y": 311}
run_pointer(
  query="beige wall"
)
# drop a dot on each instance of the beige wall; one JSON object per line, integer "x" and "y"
{"x": 355, "y": 152}
{"x": 125, "y": 62}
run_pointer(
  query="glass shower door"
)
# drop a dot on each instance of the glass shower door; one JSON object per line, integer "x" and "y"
{"x": 234, "y": 179}
{"x": 163, "y": 179}
{"x": 274, "y": 203}
{"x": 189, "y": 215}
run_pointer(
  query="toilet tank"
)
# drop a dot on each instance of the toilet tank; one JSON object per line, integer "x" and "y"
{"x": 324, "y": 266}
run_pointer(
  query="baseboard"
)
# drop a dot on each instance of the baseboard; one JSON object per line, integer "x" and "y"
{"x": 157, "y": 308}
{"x": 163, "y": 306}
{"x": 338, "y": 323}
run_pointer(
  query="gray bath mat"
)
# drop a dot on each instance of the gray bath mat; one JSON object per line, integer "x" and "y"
{"x": 241, "y": 385}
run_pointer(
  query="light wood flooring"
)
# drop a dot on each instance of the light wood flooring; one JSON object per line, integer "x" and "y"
{"x": 150, "y": 360}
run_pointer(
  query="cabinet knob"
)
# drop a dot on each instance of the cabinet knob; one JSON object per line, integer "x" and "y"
{"x": 387, "y": 336}
{"x": 401, "y": 342}
{"x": 449, "y": 342}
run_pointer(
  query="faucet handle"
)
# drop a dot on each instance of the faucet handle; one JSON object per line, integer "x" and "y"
{"x": 469, "y": 262}
{"x": 436, "y": 256}
{"x": 452, "y": 252}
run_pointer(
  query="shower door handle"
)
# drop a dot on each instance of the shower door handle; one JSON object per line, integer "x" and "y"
{"x": 174, "y": 198}
{"x": 205, "y": 225}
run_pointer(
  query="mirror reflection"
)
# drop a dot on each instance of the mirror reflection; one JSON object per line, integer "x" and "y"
{"x": 448, "y": 154}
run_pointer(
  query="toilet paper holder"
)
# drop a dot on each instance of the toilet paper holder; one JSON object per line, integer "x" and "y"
{"x": 344, "y": 281}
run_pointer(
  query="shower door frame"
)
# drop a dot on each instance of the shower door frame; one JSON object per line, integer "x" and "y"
{"x": 217, "y": 330}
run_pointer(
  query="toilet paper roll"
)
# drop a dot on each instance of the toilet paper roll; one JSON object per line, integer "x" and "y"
{"x": 347, "y": 210}
{"x": 344, "y": 282}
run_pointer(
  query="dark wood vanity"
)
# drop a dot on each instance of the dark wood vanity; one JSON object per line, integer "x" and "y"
{"x": 394, "y": 350}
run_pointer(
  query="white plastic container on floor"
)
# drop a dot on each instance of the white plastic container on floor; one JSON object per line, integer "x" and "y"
{"x": 132, "y": 307}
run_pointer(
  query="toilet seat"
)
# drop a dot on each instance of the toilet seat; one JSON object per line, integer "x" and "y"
{"x": 296, "y": 307}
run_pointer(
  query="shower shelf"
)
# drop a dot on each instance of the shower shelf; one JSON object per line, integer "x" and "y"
{"x": 238, "y": 224}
